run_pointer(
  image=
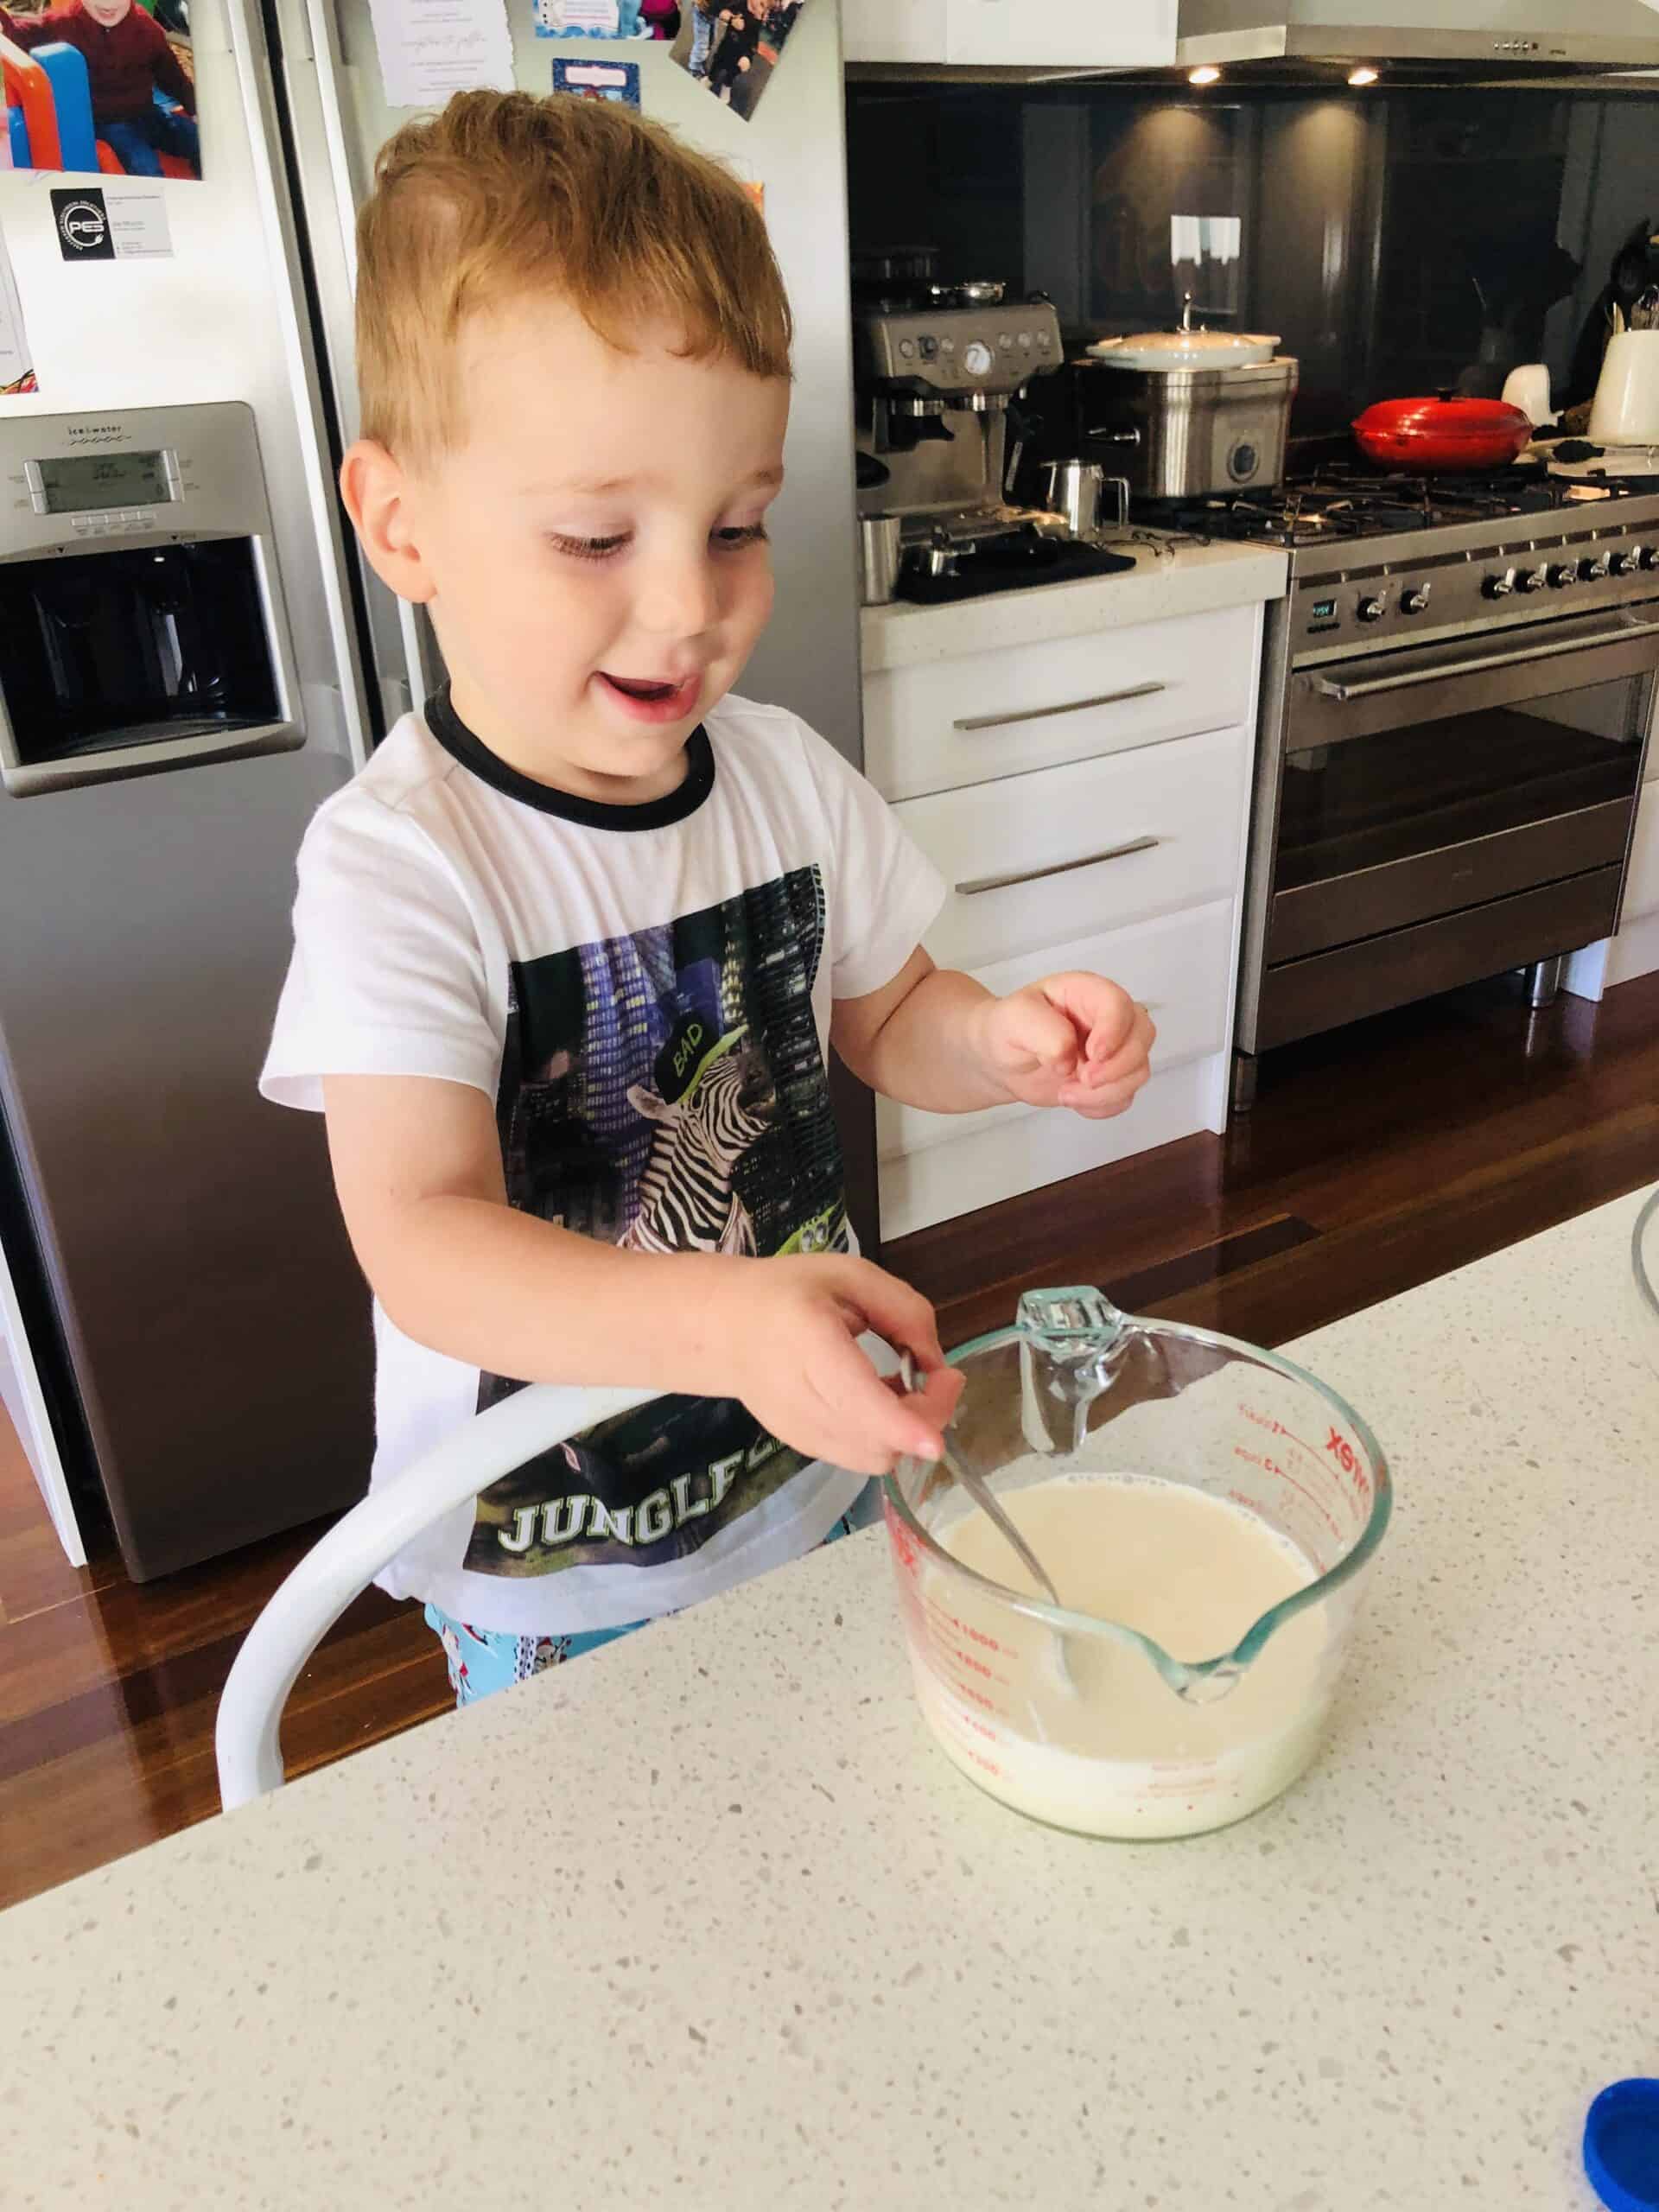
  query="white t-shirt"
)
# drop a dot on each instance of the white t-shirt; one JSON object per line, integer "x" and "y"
{"x": 644, "y": 992}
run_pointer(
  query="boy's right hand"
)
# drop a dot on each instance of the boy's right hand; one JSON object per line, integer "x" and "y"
{"x": 799, "y": 1371}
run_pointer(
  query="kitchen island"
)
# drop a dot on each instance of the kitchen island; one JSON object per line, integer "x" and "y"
{"x": 706, "y": 1921}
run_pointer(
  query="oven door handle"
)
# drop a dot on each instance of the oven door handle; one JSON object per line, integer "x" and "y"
{"x": 1412, "y": 679}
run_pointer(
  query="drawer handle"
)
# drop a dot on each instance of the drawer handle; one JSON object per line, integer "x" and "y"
{"x": 1060, "y": 868}
{"x": 1071, "y": 707}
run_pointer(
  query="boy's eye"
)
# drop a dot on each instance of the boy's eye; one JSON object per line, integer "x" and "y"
{"x": 734, "y": 539}
{"x": 589, "y": 549}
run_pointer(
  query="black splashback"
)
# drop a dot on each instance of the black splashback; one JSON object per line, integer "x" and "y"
{"x": 1399, "y": 242}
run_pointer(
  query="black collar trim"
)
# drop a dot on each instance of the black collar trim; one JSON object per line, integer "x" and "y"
{"x": 460, "y": 742}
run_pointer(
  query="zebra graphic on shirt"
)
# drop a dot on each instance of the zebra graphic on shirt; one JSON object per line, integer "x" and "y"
{"x": 687, "y": 1201}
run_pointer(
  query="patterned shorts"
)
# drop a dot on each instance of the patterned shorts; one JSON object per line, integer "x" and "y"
{"x": 483, "y": 1661}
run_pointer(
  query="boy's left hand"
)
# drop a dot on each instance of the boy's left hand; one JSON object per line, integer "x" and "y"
{"x": 1073, "y": 1040}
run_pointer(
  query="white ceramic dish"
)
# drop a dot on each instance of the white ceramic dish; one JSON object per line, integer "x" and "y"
{"x": 1186, "y": 349}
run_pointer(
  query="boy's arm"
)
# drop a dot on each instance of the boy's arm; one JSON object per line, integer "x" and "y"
{"x": 934, "y": 1038}
{"x": 170, "y": 76}
{"x": 30, "y": 30}
{"x": 417, "y": 1166}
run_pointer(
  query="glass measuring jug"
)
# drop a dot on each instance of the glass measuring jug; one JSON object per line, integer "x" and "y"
{"x": 1176, "y": 1485}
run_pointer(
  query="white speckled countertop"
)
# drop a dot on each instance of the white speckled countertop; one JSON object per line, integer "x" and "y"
{"x": 706, "y": 1921}
{"x": 1174, "y": 579}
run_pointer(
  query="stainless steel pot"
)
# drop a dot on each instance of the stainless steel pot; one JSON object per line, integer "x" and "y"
{"x": 1185, "y": 434}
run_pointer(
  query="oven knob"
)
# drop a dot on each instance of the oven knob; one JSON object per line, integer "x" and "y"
{"x": 1563, "y": 573}
{"x": 1371, "y": 610}
{"x": 1498, "y": 585}
{"x": 1624, "y": 564}
{"x": 1414, "y": 599}
{"x": 1532, "y": 580}
{"x": 1595, "y": 569}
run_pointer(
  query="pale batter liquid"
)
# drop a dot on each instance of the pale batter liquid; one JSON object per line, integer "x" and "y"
{"x": 1125, "y": 1756}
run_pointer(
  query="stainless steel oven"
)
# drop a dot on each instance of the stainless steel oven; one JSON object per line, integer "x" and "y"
{"x": 1440, "y": 799}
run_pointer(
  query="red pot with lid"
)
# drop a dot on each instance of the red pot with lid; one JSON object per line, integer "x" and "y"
{"x": 1442, "y": 433}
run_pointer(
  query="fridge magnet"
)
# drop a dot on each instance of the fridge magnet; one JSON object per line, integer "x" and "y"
{"x": 598, "y": 80}
{"x": 103, "y": 86}
{"x": 586, "y": 19}
{"x": 733, "y": 46}
{"x": 430, "y": 48}
{"x": 654, "y": 19}
{"x": 111, "y": 222}
{"x": 16, "y": 366}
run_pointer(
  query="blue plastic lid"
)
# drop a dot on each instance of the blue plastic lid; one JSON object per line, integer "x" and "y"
{"x": 1621, "y": 2147}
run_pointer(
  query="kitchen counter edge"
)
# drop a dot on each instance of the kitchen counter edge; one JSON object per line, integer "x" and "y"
{"x": 1167, "y": 580}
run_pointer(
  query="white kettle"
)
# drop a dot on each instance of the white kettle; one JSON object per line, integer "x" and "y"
{"x": 1625, "y": 409}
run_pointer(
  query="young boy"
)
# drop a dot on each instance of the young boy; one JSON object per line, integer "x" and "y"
{"x": 571, "y": 952}
{"x": 127, "y": 58}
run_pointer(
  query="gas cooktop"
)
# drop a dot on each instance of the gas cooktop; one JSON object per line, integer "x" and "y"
{"x": 1348, "y": 500}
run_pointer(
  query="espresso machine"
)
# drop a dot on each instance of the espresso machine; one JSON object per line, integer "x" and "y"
{"x": 934, "y": 368}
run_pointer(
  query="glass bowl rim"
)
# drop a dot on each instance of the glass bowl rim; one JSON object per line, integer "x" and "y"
{"x": 1066, "y": 1623}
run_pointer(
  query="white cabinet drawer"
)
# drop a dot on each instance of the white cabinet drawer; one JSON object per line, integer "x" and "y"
{"x": 945, "y": 1180}
{"x": 1180, "y": 967}
{"x": 1642, "y": 884}
{"x": 1018, "y": 33}
{"x": 893, "y": 30}
{"x": 1040, "y": 859}
{"x": 933, "y": 727}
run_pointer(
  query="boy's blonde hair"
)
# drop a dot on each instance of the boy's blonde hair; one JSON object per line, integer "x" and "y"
{"x": 505, "y": 193}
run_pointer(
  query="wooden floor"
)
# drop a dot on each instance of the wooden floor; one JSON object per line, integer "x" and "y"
{"x": 1375, "y": 1159}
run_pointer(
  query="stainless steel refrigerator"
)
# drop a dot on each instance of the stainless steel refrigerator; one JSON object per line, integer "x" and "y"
{"x": 183, "y": 1331}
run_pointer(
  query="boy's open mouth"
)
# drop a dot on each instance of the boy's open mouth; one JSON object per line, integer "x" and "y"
{"x": 658, "y": 699}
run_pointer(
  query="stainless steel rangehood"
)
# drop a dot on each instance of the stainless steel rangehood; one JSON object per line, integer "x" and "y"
{"x": 1422, "y": 38}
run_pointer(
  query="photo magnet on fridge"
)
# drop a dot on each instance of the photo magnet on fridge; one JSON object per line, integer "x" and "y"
{"x": 652, "y": 19}
{"x": 106, "y": 88}
{"x": 732, "y": 47}
{"x": 598, "y": 80}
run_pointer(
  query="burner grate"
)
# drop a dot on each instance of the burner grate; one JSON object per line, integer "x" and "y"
{"x": 1337, "y": 501}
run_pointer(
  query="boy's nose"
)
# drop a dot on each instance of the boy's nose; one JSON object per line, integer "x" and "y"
{"x": 678, "y": 597}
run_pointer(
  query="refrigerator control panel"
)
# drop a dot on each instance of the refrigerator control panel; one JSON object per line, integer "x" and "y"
{"x": 70, "y": 480}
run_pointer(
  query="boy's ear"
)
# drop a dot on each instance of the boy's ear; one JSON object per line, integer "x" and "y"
{"x": 377, "y": 497}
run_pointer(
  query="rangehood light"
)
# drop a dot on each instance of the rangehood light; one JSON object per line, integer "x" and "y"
{"x": 1363, "y": 75}
{"x": 1208, "y": 74}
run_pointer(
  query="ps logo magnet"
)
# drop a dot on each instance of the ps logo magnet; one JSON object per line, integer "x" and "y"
{"x": 83, "y": 224}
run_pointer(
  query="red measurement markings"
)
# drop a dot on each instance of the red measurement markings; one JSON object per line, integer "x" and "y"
{"x": 1339, "y": 1447}
{"x": 1349, "y": 1461}
{"x": 1272, "y": 1467}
